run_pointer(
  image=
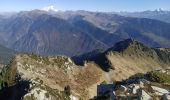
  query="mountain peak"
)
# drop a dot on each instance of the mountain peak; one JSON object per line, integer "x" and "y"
{"x": 130, "y": 47}
{"x": 50, "y": 8}
{"x": 122, "y": 45}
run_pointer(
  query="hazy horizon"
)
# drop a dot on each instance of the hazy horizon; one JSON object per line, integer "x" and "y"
{"x": 87, "y": 5}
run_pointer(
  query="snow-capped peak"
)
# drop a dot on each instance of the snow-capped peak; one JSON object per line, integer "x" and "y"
{"x": 49, "y": 8}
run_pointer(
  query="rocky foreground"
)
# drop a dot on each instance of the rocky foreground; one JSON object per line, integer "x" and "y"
{"x": 154, "y": 85}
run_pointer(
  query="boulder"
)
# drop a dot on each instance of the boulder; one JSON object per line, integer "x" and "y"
{"x": 159, "y": 91}
{"x": 166, "y": 97}
{"x": 141, "y": 84}
{"x": 135, "y": 88}
{"x": 72, "y": 97}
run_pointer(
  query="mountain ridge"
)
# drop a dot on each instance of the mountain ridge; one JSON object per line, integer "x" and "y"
{"x": 52, "y": 74}
{"x": 61, "y": 32}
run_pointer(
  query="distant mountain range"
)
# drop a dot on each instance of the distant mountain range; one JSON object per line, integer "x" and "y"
{"x": 156, "y": 14}
{"x": 77, "y": 32}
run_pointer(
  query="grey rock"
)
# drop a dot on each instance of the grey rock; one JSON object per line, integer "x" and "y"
{"x": 144, "y": 96}
{"x": 135, "y": 89}
{"x": 159, "y": 91}
{"x": 166, "y": 97}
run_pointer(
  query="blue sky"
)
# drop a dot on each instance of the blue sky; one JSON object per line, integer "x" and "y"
{"x": 90, "y": 5}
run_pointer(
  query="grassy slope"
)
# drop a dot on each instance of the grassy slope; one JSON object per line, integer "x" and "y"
{"x": 136, "y": 58}
{"x": 58, "y": 72}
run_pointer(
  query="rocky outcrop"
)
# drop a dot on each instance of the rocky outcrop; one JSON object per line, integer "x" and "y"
{"x": 159, "y": 91}
{"x": 140, "y": 88}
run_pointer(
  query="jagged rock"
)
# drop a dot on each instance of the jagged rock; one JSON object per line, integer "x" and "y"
{"x": 166, "y": 97}
{"x": 163, "y": 71}
{"x": 135, "y": 88}
{"x": 144, "y": 81}
{"x": 37, "y": 94}
{"x": 159, "y": 91}
{"x": 144, "y": 96}
{"x": 141, "y": 84}
{"x": 123, "y": 88}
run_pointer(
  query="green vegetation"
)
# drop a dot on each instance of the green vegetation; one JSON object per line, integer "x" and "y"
{"x": 30, "y": 97}
{"x": 54, "y": 92}
{"x": 137, "y": 76}
{"x": 104, "y": 82}
{"x": 8, "y": 75}
{"x": 39, "y": 58}
{"x": 60, "y": 61}
{"x": 38, "y": 91}
{"x": 164, "y": 55}
{"x": 47, "y": 95}
{"x": 159, "y": 76}
{"x": 35, "y": 57}
{"x": 67, "y": 90}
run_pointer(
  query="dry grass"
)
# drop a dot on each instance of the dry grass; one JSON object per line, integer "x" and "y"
{"x": 126, "y": 65}
{"x": 82, "y": 79}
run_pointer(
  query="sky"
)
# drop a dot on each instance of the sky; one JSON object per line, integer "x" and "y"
{"x": 89, "y": 5}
